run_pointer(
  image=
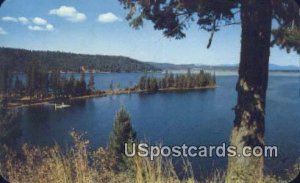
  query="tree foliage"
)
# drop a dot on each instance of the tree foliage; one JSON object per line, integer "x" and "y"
{"x": 122, "y": 133}
{"x": 9, "y": 127}
{"x": 174, "y": 17}
{"x": 5, "y": 79}
{"x": 37, "y": 84}
{"x": 91, "y": 84}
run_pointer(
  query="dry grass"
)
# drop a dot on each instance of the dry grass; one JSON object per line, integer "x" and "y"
{"x": 79, "y": 165}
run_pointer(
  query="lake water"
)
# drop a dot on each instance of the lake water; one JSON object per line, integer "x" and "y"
{"x": 173, "y": 118}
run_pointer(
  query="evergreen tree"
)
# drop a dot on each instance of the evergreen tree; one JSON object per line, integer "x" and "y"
{"x": 5, "y": 79}
{"x": 70, "y": 86}
{"x": 43, "y": 83}
{"x": 142, "y": 82}
{"x": 55, "y": 83}
{"x": 9, "y": 127}
{"x": 122, "y": 133}
{"x": 91, "y": 84}
{"x": 31, "y": 78}
{"x": 37, "y": 80}
{"x": 111, "y": 85}
{"x": 19, "y": 86}
{"x": 214, "y": 82}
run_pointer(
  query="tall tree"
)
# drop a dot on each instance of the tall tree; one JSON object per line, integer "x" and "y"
{"x": 70, "y": 86}
{"x": 111, "y": 85}
{"x": 9, "y": 127}
{"x": 81, "y": 85}
{"x": 55, "y": 83}
{"x": 5, "y": 79}
{"x": 37, "y": 80}
{"x": 255, "y": 16}
{"x": 18, "y": 86}
{"x": 122, "y": 133}
{"x": 31, "y": 78}
{"x": 91, "y": 84}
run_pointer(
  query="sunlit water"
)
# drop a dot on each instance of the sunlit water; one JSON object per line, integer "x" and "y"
{"x": 172, "y": 118}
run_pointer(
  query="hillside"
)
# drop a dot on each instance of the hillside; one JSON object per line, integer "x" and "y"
{"x": 169, "y": 66}
{"x": 17, "y": 60}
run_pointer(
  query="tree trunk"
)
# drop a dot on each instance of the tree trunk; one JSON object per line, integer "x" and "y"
{"x": 249, "y": 123}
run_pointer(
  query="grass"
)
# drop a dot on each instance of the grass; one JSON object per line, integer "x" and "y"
{"x": 79, "y": 165}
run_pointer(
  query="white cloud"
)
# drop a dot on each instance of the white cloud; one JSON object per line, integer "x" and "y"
{"x": 35, "y": 28}
{"x": 23, "y": 20}
{"x": 108, "y": 18}
{"x": 36, "y": 23}
{"x": 69, "y": 13}
{"x": 39, "y": 21}
{"x": 9, "y": 19}
{"x": 2, "y": 31}
{"x": 47, "y": 27}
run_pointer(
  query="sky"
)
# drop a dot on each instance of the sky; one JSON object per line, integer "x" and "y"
{"x": 99, "y": 27}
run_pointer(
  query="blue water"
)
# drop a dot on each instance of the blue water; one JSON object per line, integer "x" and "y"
{"x": 172, "y": 118}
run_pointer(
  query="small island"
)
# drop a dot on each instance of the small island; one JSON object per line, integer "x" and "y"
{"x": 172, "y": 81}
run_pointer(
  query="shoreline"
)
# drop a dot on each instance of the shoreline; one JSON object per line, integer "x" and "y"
{"x": 49, "y": 100}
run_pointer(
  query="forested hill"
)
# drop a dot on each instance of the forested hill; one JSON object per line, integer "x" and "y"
{"x": 18, "y": 59}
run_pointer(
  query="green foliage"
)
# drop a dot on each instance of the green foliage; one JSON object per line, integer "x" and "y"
{"x": 18, "y": 59}
{"x": 37, "y": 80}
{"x": 80, "y": 85}
{"x": 19, "y": 87}
{"x": 175, "y": 17}
{"x": 288, "y": 39}
{"x": 178, "y": 81}
{"x": 91, "y": 84}
{"x": 111, "y": 85}
{"x": 5, "y": 79}
{"x": 55, "y": 83}
{"x": 63, "y": 87}
{"x": 9, "y": 127}
{"x": 122, "y": 133}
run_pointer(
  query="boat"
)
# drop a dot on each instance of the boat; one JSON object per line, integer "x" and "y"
{"x": 61, "y": 106}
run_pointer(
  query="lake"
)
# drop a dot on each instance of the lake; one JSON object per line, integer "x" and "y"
{"x": 172, "y": 118}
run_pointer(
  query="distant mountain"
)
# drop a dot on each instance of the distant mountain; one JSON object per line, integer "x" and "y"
{"x": 283, "y": 68}
{"x": 17, "y": 60}
{"x": 225, "y": 67}
{"x": 169, "y": 66}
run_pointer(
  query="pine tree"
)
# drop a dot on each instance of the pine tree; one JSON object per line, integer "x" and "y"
{"x": 5, "y": 79}
{"x": 80, "y": 86}
{"x": 122, "y": 133}
{"x": 55, "y": 83}
{"x": 70, "y": 86}
{"x": 37, "y": 84}
{"x": 142, "y": 82}
{"x": 91, "y": 84}
{"x": 31, "y": 79}
{"x": 9, "y": 127}
{"x": 111, "y": 85}
{"x": 83, "y": 83}
{"x": 18, "y": 86}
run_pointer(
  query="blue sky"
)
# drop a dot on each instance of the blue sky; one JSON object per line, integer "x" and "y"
{"x": 98, "y": 27}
